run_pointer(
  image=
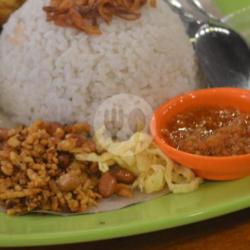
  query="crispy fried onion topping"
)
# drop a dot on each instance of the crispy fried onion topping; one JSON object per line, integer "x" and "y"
{"x": 84, "y": 14}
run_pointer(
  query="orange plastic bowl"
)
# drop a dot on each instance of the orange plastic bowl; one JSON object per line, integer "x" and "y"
{"x": 207, "y": 167}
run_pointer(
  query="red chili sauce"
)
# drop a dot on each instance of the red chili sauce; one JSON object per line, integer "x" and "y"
{"x": 210, "y": 131}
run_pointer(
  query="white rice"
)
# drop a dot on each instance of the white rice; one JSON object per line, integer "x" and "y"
{"x": 59, "y": 74}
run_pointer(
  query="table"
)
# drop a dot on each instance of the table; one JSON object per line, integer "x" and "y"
{"x": 223, "y": 233}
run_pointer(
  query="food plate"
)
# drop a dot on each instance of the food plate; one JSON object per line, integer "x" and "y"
{"x": 240, "y": 21}
{"x": 210, "y": 200}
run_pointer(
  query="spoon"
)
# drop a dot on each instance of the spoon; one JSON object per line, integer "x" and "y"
{"x": 223, "y": 54}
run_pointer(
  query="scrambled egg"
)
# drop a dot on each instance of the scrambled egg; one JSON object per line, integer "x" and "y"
{"x": 154, "y": 170}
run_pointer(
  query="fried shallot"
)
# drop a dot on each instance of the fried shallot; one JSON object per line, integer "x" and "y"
{"x": 85, "y": 14}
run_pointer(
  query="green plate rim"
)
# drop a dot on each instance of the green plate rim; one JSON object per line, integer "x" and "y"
{"x": 131, "y": 228}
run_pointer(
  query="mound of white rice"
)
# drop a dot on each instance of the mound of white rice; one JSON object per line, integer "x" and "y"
{"x": 60, "y": 74}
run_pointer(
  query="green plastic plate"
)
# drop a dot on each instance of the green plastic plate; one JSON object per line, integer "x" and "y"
{"x": 229, "y": 6}
{"x": 211, "y": 200}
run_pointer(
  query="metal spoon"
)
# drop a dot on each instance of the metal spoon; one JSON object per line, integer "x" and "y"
{"x": 197, "y": 4}
{"x": 222, "y": 53}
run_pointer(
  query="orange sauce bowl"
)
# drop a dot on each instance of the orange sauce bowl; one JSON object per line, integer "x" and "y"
{"x": 207, "y": 167}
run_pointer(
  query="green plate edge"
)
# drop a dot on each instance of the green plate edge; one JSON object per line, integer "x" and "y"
{"x": 211, "y": 200}
{"x": 228, "y": 6}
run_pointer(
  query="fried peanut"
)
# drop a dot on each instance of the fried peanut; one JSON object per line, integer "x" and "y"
{"x": 107, "y": 185}
{"x": 122, "y": 175}
{"x": 68, "y": 182}
{"x": 64, "y": 159}
{"x": 124, "y": 190}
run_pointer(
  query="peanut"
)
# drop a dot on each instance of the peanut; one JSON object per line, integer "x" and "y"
{"x": 64, "y": 159}
{"x": 122, "y": 175}
{"x": 68, "y": 182}
{"x": 107, "y": 185}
